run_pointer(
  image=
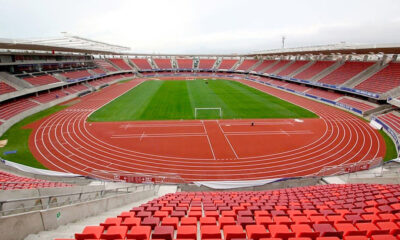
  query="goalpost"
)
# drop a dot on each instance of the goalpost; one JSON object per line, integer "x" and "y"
{"x": 206, "y": 109}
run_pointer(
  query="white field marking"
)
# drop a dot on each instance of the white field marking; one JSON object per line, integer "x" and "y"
{"x": 283, "y": 131}
{"x": 144, "y": 125}
{"x": 300, "y": 132}
{"x": 257, "y": 123}
{"x": 141, "y": 137}
{"x": 208, "y": 138}
{"x": 233, "y": 150}
{"x": 298, "y": 120}
{"x": 155, "y": 135}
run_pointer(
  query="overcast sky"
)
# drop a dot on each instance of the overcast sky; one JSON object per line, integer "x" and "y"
{"x": 205, "y": 26}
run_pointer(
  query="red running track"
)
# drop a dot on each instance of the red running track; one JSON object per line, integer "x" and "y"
{"x": 203, "y": 150}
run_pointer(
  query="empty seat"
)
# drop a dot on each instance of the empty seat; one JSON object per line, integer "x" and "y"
{"x": 304, "y": 230}
{"x": 131, "y": 221}
{"x": 115, "y": 232}
{"x": 186, "y": 232}
{"x": 256, "y": 232}
{"x": 111, "y": 222}
{"x": 280, "y": 231}
{"x": 170, "y": 221}
{"x": 90, "y": 232}
{"x": 210, "y": 232}
{"x": 139, "y": 233}
{"x": 163, "y": 232}
{"x": 188, "y": 221}
{"x": 233, "y": 231}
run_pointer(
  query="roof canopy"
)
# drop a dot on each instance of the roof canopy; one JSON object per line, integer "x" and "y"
{"x": 67, "y": 43}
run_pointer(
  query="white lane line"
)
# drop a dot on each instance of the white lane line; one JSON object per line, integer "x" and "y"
{"x": 233, "y": 150}
{"x": 208, "y": 138}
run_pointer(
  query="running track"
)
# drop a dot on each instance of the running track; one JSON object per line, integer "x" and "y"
{"x": 203, "y": 150}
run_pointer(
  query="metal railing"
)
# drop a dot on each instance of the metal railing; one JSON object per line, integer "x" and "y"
{"x": 12, "y": 206}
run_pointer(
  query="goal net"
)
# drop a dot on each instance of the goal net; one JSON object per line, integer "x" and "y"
{"x": 207, "y": 113}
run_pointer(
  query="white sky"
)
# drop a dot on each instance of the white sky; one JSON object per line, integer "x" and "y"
{"x": 205, "y": 26}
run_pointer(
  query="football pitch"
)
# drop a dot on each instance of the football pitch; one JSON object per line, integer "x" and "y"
{"x": 172, "y": 100}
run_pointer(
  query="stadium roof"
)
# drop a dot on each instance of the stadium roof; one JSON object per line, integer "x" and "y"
{"x": 66, "y": 43}
{"x": 342, "y": 48}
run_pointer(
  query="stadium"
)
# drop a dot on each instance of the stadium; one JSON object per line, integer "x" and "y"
{"x": 101, "y": 141}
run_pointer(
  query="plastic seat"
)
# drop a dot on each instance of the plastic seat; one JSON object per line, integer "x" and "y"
{"x": 280, "y": 231}
{"x": 170, "y": 221}
{"x": 371, "y": 229}
{"x": 186, "y": 232}
{"x": 256, "y": 232}
{"x": 208, "y": 221}
{"x": 139, "y": 233}
{"x": 211, "y": 214}
{"x": 265, "y": 221}
{"x": 163, "y": 232}
{"x": 178, "y": 214}
{"x": 161, "y": 214}
{"x": 304, "y": 230}
{"x": 210, "y": 232}
{"x": 244, "y": 221}
{"x": 111, "y": 222}
{"x": 327, "y": 238}
{"x": 224, "y": 221}
{"x": 327, "y": 230}
{"x": 229, "y": 214}
{"x": 300, "y": 219}
{"x": 383, "y": 237}
{"x": 150, "y": 221}
{"x": 89, "y": 232}
{"x": 196, "y": 214}
{"x": 115, "y": 232}
{"x": 124, "y": 215}
{"x": 349, "y": 229}
{"x": 355, "y": 238}
{"x": 233, "y": 231}
{"x": 282, "y": 220}
{"x": 392, "y": 227}
{"x": 188, "y": 221}
{"x": 142, "y": 215}
{"x": 130, "y": 222}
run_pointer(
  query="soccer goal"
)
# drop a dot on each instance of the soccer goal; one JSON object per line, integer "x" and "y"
{"x": 207, "y": 110}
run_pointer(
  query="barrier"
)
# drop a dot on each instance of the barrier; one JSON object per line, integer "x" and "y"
{"x": 349, "y": 168}
{"x": 135, "y": 177}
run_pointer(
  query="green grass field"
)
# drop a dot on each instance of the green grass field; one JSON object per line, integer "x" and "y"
{"x": 18, "y": 138}
{"x": 171, "y": 100}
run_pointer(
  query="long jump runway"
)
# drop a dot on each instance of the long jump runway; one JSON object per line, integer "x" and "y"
{"x": 203, "y": 150}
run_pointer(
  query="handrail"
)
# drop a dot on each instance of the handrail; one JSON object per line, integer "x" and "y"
{"x": 129, "y": 189}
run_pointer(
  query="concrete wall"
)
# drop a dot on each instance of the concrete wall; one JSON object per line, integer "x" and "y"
{"x": 17, "y": 227}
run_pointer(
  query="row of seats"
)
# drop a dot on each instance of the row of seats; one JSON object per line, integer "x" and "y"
{"x": 227, "y": 64}
{"x": 163, "y": 63}
{"x": 264, "y": 65}
{"x": 345, "y": 72}
{"x": 324, "y": 212}
{"x": 185, "y": 63}
{"x": 277, "y": 66}
{"x": 206, "y": 63}
{"x": 9, "y": 181}
{"x": 392, "y": 120}
{"x": 246, "y": 64}
{"x": 141, "y": 63}
{"x": 292, "y": 68}
{"x": 41, "y": 80}
{"x": 364, "y": 106}
{"x": 119, "y": 62}
{"x": 106, "y": 65}
{"x": 5, "y": 88}
{"x": 382, "y": 81}
{"x": 17, "y": 106}
{"x": 324, "y": 94}
{"x": 313, "y": 70}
